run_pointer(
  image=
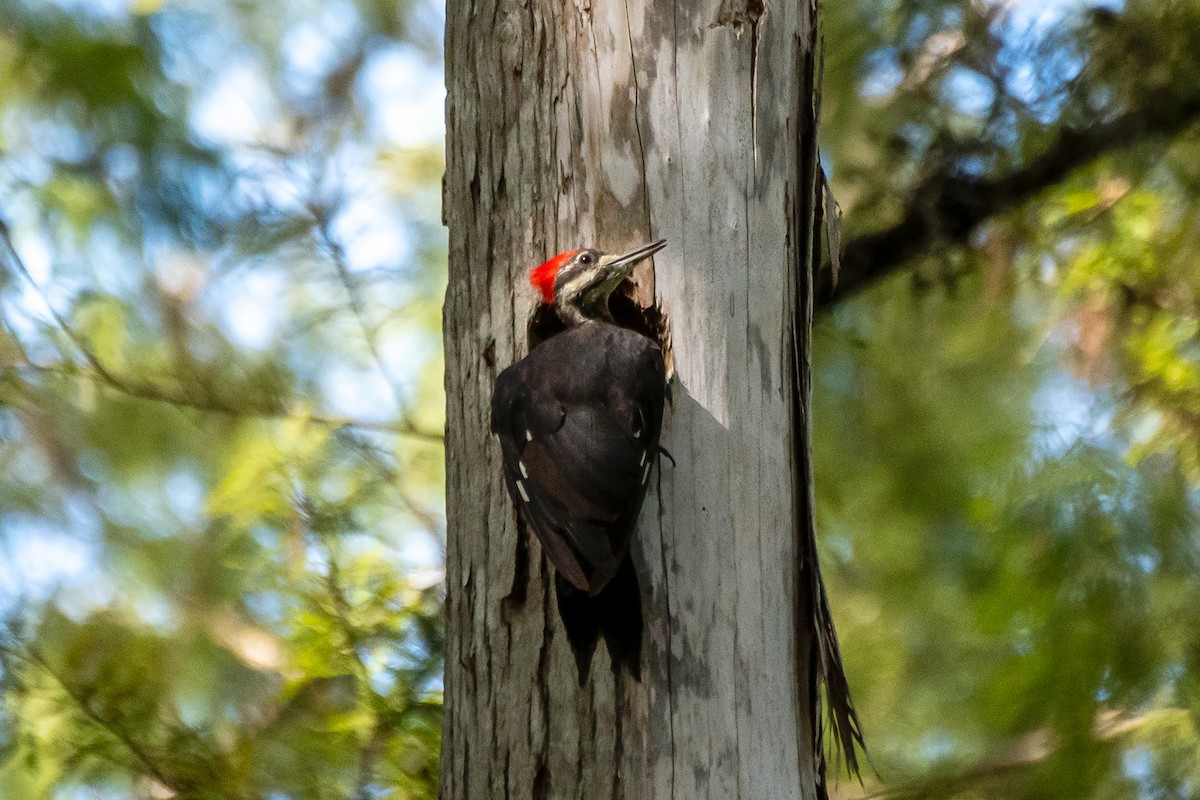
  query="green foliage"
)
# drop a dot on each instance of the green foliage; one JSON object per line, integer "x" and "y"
{"x": 1006, "y": 440}
{"x": 220, "y": 409}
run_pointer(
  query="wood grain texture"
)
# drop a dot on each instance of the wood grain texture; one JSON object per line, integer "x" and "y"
{"x": 605, "y": 123}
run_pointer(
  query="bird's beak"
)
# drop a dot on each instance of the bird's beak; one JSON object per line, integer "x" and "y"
{"x": 624, "y": 263}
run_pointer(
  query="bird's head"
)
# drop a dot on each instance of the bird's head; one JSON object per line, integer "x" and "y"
{"x": 578, "y": 282}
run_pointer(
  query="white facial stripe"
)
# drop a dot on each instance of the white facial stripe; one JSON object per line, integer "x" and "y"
{"x": 575, "y": 285}
{"x": 525, "y": 494}
{"x": 524, "y": 472}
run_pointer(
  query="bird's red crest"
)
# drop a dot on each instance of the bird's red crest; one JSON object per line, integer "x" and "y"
{"x": 542, "y": 277}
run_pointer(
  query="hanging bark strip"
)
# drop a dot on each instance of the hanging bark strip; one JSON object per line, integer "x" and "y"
{"x": 820, "y": 656}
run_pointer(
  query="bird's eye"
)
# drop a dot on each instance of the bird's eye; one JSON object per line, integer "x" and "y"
{"x": 586, "y": 258}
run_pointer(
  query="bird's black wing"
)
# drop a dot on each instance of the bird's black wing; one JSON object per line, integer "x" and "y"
{"x": 518, "y": 415}
{"x": 579, "y": 442}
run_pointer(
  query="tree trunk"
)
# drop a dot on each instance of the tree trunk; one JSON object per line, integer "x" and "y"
{"x": 602, "y": 123}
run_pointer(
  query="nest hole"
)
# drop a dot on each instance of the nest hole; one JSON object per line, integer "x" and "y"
{"x": 647, "y": 319}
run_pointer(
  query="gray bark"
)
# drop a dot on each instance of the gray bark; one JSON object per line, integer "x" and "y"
{"x": 603, "y": 123}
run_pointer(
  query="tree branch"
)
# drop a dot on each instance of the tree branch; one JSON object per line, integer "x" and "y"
{"x": 1025, "y": 753}
{"x": 945, "y": 208}
{"x": 148, "y": 762}
{"x": 98, "y": 371}
{"x": 373, "y": 457}
{"x": 323, "y": 230}
{"x": 154, "y": 393}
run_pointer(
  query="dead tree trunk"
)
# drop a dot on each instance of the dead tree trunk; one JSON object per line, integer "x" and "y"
{"x": 610, "y": 123}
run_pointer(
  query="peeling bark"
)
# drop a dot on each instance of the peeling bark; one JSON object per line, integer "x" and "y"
{"x": 608, "y": 124}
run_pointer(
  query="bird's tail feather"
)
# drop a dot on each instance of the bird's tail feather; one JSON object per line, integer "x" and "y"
{"x": 614, "y": 614}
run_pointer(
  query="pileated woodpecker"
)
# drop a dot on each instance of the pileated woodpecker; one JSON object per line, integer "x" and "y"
{"x": 578, "y": 421}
